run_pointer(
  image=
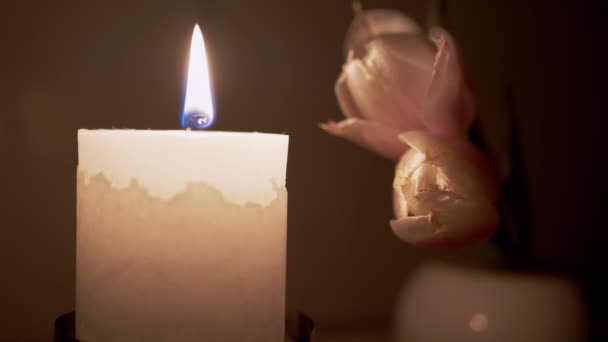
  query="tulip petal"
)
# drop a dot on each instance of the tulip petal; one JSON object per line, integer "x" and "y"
{"x": 372, "y": 135}
{"x": 400, "y": 207}
{"x": 460, "y": 224}
{"x": 449, "y": 107}
{"x": 466, "y": 168}
{"x": 345, "y": 98}
{"x": 370, "y": 24}
{"x": 415, "y": 230}
{"x": 409, "y": 162}
{"x": 388, "y": 82}
{"x": 405, "y": 63}
{"x": 428, "y": 144}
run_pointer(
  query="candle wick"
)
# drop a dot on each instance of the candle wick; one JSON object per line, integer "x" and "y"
{"x": 196, "y": 120}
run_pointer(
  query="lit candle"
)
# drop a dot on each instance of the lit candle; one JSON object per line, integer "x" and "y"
{"x": 181, "y": 234}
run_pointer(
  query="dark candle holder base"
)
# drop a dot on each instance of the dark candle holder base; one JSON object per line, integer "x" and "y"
{"x": 298, "y": 328}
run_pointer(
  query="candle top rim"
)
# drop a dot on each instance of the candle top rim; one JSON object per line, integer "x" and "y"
{"x": 173, "y": 132}
{"x": 166, "y": 161}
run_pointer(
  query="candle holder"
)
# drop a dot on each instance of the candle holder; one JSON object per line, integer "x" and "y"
{"x": 298, "y": 328}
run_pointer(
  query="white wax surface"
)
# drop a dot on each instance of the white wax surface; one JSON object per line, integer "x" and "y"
{"x": 242, "y": 166}
{"x": 181, "y": 236}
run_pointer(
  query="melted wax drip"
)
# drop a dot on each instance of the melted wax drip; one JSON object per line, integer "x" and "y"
{"x": 196, "y": 120}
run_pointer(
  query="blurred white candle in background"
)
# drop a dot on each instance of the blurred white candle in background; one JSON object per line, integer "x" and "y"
{"x": 181, "y": 234}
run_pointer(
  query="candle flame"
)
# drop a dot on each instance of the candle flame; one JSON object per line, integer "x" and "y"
{"x": 198, "y": 105}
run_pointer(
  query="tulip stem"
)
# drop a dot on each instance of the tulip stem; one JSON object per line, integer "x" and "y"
{"x": 516, "y": 209}
{"x": 514, "y": 235}
{"x": 436, "y": 14}
{"x": 357, "y": 7}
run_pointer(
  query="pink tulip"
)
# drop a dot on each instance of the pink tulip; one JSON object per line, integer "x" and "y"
{"x": 396, "y": 80}
{"x": 445, "y": 191}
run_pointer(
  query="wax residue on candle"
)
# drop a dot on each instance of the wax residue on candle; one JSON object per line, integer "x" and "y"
{"x": 242, "y": 166}
{"x": 86, "y": 179}
{"x": 193, "y": 266}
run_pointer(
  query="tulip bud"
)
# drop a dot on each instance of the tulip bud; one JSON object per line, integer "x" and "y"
{"x": 368, "y": 25}
{"x": 395, "y": 80}
{"x": 444, "y": 193}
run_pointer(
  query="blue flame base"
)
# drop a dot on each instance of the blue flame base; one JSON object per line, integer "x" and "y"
{"x": 196, "y": 120}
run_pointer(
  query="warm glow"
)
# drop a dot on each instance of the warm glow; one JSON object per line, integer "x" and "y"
{"x": 479, "y": 322}
{"x": 198, "y": 105}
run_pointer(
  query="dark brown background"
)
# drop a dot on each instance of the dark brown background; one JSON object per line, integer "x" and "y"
{"x": 102, "y": 64}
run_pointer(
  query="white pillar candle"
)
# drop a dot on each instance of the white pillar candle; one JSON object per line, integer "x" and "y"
{"x": 181, "y": 236}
